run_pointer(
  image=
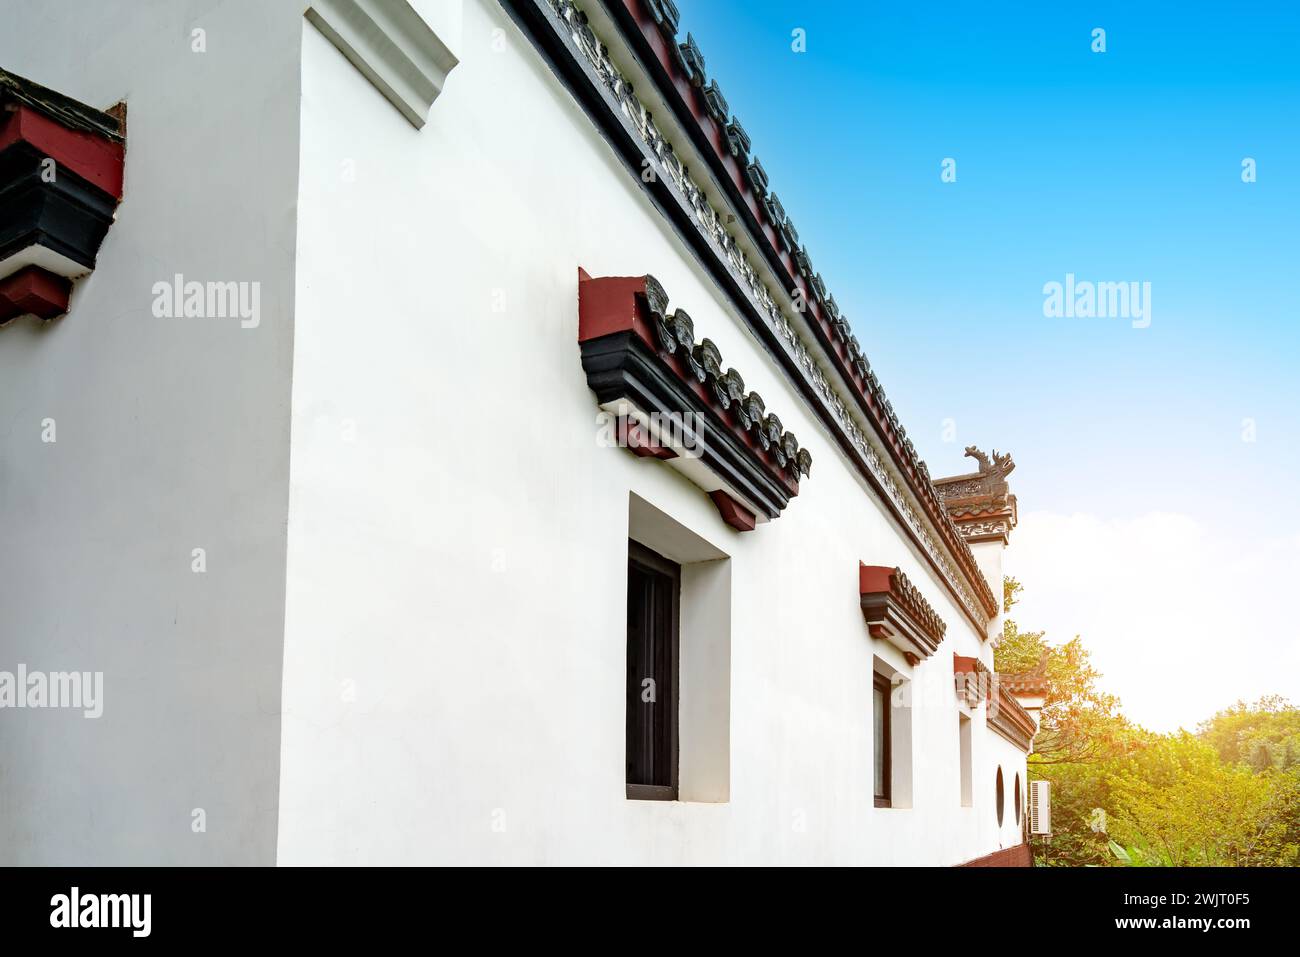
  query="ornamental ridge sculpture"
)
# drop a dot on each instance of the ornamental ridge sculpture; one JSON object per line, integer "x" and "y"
{"x": 989, "y": 484}
{"x": 994, "y": 473}
{"x": 980, "y": 503}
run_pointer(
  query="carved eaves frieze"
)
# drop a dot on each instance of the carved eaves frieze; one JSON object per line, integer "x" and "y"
{"x": 674, "y": 400}
{"x": 707, "y": 110}
{"x": 881, "y": 449}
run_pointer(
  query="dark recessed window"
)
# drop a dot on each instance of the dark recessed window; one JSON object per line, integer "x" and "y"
{"x": 1017, "y": 797}
{"x": 881, "y": 748}
{"x": 653, "y": 589}
{"x": 1000, "y": 801}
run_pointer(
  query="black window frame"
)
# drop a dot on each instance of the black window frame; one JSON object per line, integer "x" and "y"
{"x": 651, "y": 748}
{"x": 882, "y": 683}
{"x": 1016, "y": 795}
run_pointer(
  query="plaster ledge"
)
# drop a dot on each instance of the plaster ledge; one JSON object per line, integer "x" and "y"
{"x": 392, "y": 46}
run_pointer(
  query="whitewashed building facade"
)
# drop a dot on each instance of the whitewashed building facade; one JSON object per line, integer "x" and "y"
{"x": 425, "y": 418}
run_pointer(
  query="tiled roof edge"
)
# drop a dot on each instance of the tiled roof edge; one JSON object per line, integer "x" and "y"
{"x": 731, "y": 147}
{"x": 71, "y": 113}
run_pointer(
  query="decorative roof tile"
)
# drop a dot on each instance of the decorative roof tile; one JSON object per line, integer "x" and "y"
{"x": 52, "y": 227}
{"x": 972, "y": 679}
{"x": 716, "y": 102}
{"x": 692, "y": 61}
{"x": 952, "y": 558}
{"x": 895, "y": 610}
{"x": 64, "y": 110}
{"x": 1028, "y": 683}
{"x": 737, "y": 138}
{"x": 775, "y": 211}
{"x": 645, "y": 360}
{"x": 665, "y": 15}
{"x": 1009, "y": 719}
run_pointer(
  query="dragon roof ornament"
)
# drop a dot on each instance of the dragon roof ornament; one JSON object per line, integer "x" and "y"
{"x": 980, "y": 503}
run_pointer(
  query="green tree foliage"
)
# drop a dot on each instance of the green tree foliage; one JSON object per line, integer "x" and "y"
{"x": 1180, "y": 804}
{"x": 1079, "y": 722}
{"x": 1123, "y": 796}
{"x": 1263, "y": 735}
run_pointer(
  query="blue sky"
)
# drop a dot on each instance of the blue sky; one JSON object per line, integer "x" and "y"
{"x": 1115, "y": 166}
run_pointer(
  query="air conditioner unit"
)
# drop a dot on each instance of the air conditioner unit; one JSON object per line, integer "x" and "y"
{"x": 1040, "y": 807}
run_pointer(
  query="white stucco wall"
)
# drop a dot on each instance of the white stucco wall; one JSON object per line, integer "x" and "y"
{"x": 1012, "y": 761}
{"x": 171, "y": 435}
{"x": 455, "y": 620}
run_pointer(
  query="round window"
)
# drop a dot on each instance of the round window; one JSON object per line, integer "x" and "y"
{"x": 1000, "y": 800}
{"x": 1017, "y": 796}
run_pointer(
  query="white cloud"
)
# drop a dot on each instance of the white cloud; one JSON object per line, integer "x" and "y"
{"x": 1181, "y": 619}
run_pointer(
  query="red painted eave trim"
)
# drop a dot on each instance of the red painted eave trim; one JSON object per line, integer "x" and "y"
{"x": 733, "y": 513}
{"x": 33, "y": 291}
{"x": 716, "y": 136}
{"x": 636, "y": 437}
{"x": 613, "y": 304}
{"x": 874, "y": 579}
{"x": 608, "y": 305}
{"x": 1015, "y": 711}
{"x": 93, "y": 158}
